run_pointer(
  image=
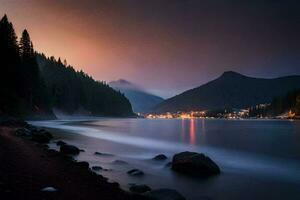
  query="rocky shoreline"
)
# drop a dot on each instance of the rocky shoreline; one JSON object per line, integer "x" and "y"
{"x": 36, "y": 140}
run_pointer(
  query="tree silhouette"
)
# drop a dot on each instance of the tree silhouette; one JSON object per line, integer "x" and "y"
{"x": 31, "y": 84}
{"x": 9, "y": 66}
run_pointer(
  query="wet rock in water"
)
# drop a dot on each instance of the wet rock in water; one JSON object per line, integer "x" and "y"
{"x": 30, "y": 127}
{"x": 160, "y": 157}
{"x": 120, "y": 162}
{"x": 169, "y": 164}
{"x": 195, "y": 164}
{"x": 102, "y": 154}
{"x": 83, "y": 164}
{"x": 164, "y": 194}
{"x": 69, "y": 149}
{"x": 49, "y": 189}
{"x": 23, "y": 132}
{"x": 139, "y": 188}
{"x": 135, "y": 172}
{"x": 97, "y": 168}
{"x": 60, "y": 143}
{"x": 41, "y": 136}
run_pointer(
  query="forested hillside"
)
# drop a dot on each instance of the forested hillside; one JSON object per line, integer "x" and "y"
{"x": 71, "y": 90}
{"x": 31, "y": 85}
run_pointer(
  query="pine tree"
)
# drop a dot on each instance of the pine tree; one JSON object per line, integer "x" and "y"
{"x": 9, "y": 66}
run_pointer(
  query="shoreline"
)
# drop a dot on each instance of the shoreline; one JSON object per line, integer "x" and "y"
{"x": 28, "y": 167}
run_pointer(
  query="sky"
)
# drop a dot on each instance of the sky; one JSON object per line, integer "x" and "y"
{"x": 164, "y": 46}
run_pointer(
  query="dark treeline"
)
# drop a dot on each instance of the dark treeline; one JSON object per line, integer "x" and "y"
{"x": 31, "y": 84}
{"x": 279, "y": 105}
{"x": 71, "y": 90}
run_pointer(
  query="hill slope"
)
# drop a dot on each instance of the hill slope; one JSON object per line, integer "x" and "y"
{"x": 141, "y": 100}
{"x": 230, "y": 90}
{"x": 72, "y": 91}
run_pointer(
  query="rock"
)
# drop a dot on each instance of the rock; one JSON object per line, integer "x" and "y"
{"x": 120, "y": 162}
{"x": 23, "y": 132}
{"x": 60, "y": 143}
{"x": 139, "y": 188}
{"x": 102, "y": 154}
{"x": 83, "y": 164}
{"x": 135, "y": 172}
{"x": 164, "y": 194}
{"x": 30, "y": 127}
{"x": 160, "y": 157}
{"x": 69, "y": 149}
{"x": 169, "y": 164}
{"x": 41, "y": 136}
{"x": 195, "y": 164}
{"x": 49, "y": 189}
{"x": 97, "y": 168}
{"x": 81, "y": 150}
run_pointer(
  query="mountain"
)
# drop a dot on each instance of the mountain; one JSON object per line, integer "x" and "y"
{"x": 230, "y": 90}
{"x": 141, "y": 100}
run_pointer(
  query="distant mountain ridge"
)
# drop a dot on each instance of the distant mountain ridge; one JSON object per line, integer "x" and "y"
{"x": 230, "y": 90}
{"x": 140, "y": 100}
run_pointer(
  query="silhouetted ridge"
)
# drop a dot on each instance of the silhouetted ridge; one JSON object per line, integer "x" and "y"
{"x": 231, "y": 74}
{"x": 230, "y": 90}
{"x": 141, "y": 100}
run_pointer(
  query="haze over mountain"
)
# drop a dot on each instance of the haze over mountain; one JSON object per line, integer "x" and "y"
{"x": 230, "y": 90}
{"x": 140, "y": 100}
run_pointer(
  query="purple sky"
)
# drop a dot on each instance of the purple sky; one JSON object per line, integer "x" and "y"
{"x": 165, "y": 46}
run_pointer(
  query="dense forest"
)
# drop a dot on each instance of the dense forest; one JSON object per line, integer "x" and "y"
{"x": 32, "y": 84}
{"x": 289, "y": 103}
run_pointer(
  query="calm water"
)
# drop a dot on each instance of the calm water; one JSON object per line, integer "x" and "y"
{"x": 258, "y": 159}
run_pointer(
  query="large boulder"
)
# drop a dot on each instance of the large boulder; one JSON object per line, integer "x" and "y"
{"x": 195, "y": 164}
{"x": 69, "y": 149}
{"x": 164, "y": 194}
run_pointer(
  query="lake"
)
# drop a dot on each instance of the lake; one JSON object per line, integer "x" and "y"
{"x": 259, "y": 159}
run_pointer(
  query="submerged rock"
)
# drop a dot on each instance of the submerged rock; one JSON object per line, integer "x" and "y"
{"x": 120, "y": 162}
{"x": 69, "y": 149}
{"x": 192, "y": 163}
{"x": 49, "y": 189}
{"x": 164, "y": 194}
{"x": 102, "y": 154}
{"x": 160, "y": 157}
{"x": 97, "y": 168}
{"x": 139, "y": 188}
{"x": 135, "y": 172}
{"x": 169, "y": 164}
{"x": 60, "y": 143}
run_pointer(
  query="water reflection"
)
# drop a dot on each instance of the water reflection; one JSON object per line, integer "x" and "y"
{"x": 182, "y": 133}
{"x": 203, "y": 132}
{"x": 188, "y": 128}
{"x": 192, "y": 132}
